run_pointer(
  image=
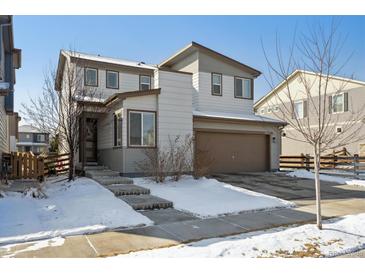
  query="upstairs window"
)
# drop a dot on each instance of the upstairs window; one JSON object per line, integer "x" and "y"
{"x": 112, "y": 79}
{"x": 216, "y": 84}
{"x": 243, "y": 88}
{"x": 41, "y": 138}
{"x": 299, "y": 110}
{"x": 144, "y": 82}
{"x": 91, "y": 77}
{"x": 339, "y": 102}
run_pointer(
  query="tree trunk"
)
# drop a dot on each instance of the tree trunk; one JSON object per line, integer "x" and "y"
{"x": 317, "y": 165}
{"x": 71, "y": 169}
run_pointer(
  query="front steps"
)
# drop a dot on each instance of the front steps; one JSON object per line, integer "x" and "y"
{"x": 130, "y": 189}
{"x": 146, "y": 202}
{"x": 137, "y": 197}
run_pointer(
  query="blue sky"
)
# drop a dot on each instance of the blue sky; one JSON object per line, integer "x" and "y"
{"x": 153, "y": 38}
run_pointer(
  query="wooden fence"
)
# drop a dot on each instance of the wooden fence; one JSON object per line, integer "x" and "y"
{"x": 26, "y": 165}
{"x": 56, "y": 164}
{"x": 354, "y": 163}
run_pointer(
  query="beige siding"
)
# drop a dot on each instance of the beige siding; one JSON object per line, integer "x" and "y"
{"x": 224, "y": 103}
{"x": 4, "y": 132}
{"x": 174, "y": 106}
{"x": 128, "y": 81}
{"x": 356, "y": 103}
{"x": 137, "y": 103}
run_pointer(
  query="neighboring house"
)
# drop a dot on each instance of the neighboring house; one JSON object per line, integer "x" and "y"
{"x": 350, "y": 100}
{"x": 10, "y": 60}
{"x": 197, "y": 92}
{"x": 14, "y": 120}
{"x": 32, "y": 140}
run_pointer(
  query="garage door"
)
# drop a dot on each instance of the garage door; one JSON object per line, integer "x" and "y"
{"x": 233, "y": 152}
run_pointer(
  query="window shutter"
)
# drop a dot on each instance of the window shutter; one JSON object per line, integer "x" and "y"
{"x": 345, "y": 101}
{"x": 305, "y": 108}
{"x": 330, "y": 104}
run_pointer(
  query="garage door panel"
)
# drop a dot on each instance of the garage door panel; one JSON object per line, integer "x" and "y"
{"x": 234, "y": 152}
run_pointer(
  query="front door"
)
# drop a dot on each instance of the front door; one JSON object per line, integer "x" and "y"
{"x": 91, "y": 140}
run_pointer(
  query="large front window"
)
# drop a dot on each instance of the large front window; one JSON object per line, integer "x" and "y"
{"x": 242, "y": 88}
{"x": 91, "y": 77}
{"x": 216, "y": 84}
{"x": 142, "y": 129}
{"x": 338, "y": 103}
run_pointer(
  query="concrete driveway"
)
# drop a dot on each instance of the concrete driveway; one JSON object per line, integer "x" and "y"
{"x": 337, "y": 200}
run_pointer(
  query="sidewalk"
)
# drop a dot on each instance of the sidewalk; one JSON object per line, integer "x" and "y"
{"x": 169, "y": 234}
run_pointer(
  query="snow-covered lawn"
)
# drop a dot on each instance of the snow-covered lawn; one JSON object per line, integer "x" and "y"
{"x": 336, "y": 179}
{"x": 339, "y": 236}
{"x": 72, "y": 208}
{"x": 208, "y": 197}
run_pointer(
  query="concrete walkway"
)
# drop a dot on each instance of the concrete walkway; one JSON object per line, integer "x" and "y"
{"x": 162, "y": 235}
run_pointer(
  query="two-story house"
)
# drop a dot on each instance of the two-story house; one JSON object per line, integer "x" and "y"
{"x": 32, "y": 140}
{"x": 345, "y": 102}
{"x": 197, "y": 92}
{"x": 10, "y": 59}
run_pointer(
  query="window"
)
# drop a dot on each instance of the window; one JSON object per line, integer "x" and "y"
{"x": 27, "y": 136}
{"x": 269, "y": 110}
{"x": 40, "y": 138}
{"x": 298, "y": 109}
{"x": 262, "y": 111}
{"x": 112, "y": 79}
{"x": 338, "y": 103}
{"x": 216, "y": 84}
{"x": 276, "y": 108}
{"x": 243, "y": 88}
{"x": 91, "y": 77}
{"x": 142, "y": 129}
{"x": 118, "y": 122}
{"x": 144, "y": 82}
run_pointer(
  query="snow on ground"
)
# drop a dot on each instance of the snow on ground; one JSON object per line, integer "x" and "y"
{"x": 208, "y": 197}
{"x": 71, "y": 208}
{"x": 336, "y": 179}
{"x": 339, "y": 236}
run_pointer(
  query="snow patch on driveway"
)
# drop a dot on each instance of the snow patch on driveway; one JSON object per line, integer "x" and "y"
{"x": 208, "y": 197}
{"x": 329, "y": 178}
{"x": 339, "y": 236}
{"x": 78, "y": 207}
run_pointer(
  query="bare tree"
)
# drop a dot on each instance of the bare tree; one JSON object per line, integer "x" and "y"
{"x": 58, "y": 112}
{"x": 319, "y": 57}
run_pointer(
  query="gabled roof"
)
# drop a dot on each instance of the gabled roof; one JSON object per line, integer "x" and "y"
{"x": 66, "y": 54}
{"x": 193, "y": 46}
{"x": 293, "y": 75}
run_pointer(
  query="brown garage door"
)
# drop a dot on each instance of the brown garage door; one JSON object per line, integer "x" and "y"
{"x": 233, "y": 152}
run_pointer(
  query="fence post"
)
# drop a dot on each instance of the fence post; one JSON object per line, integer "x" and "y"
{"x": 307, "y": 162}
{"x": 356, "y": 165}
